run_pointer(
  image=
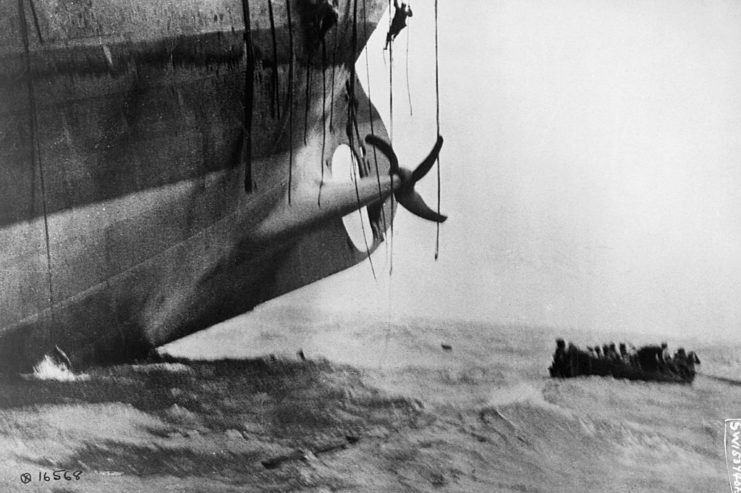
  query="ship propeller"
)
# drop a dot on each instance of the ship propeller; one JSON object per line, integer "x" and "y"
{"x": 405, "y": 194}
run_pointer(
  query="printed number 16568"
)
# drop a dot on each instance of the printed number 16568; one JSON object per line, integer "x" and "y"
{"x": 57, "y": 475}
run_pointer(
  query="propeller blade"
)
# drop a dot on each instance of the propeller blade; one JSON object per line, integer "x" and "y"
{"x": 385, "y": 149}
{"x": 425, "y": 166}
{"x": 405, "y": 194}
{"x": 414, "y": 203}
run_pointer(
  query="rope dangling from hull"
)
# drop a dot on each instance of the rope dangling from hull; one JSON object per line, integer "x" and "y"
{"x": 36, "y": 21}
{"x": 353, "y": 132}
{"x": 34, "y": 145}
{"x": 437, "y": 120}
{"x": 370, "y": 117}
{"x": 290, "y": 99}
{"x": 334, "y": 65}
{"x": 391, "y": 138}
{"x": 391, "y": 93}
{"x": 249, "y": 97}
{"x": 406, "y": 63}
{"x": 324, "y": 118}
{"x": 275, "y": 106}
{"x": 307, "y": 96}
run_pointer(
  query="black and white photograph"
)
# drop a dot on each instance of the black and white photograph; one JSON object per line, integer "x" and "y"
{"x": 370, "y": 246}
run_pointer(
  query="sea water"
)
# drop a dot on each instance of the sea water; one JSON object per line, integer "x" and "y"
{"x": 497, "y": 422}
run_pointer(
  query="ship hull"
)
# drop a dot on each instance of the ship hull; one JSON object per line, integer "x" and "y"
{"x": 145, "y": 145}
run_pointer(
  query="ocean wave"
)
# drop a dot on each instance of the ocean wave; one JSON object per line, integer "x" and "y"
{"x": 525, "y": 393}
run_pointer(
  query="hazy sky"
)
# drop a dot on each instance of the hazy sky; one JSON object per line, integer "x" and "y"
{"x": 591, "y": 168}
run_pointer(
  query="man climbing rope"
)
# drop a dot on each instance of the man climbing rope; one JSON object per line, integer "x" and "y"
{"x": 399, "y": 22}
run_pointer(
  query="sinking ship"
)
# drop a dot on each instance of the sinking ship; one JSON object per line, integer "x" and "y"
{"x": 167, "y": 165}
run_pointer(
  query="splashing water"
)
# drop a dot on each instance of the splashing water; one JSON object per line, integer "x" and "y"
{"x": 48, "y": 369}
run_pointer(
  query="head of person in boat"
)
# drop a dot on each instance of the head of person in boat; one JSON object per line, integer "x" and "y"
{"x": 665, "y": 352}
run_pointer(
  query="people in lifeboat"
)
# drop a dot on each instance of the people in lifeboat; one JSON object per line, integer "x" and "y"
{"x": 571, "y": 361}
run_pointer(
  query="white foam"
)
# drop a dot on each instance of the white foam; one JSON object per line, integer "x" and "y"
{"x": 524, "y": 393}
{"x": 48, "y": 369}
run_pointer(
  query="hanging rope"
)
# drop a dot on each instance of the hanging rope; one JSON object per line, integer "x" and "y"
{"x": 249, "y": 96}
{"x": 307, "y": 96}
{"x": 370, "y": 117}
{"x": 391, "y": 228}
{"x": 351, "y": 81}
{"x": 356, "y": 176}
{"x": 390, "y": 247}
{"x": 290, "y": 99}
{"x": 437, "y": 120}
{"x": 334, "y": 65}
{"x": 34, "y": 147}
{"x": 391, "y": 92}
{"x": 409, "y": 92}
{"x": 275, "y": 106}
{"x": 353, "y": 132}
{"x": 391, "y": 138}
{"x": 324, "y": 118}
{"x": 35, "y": 21}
